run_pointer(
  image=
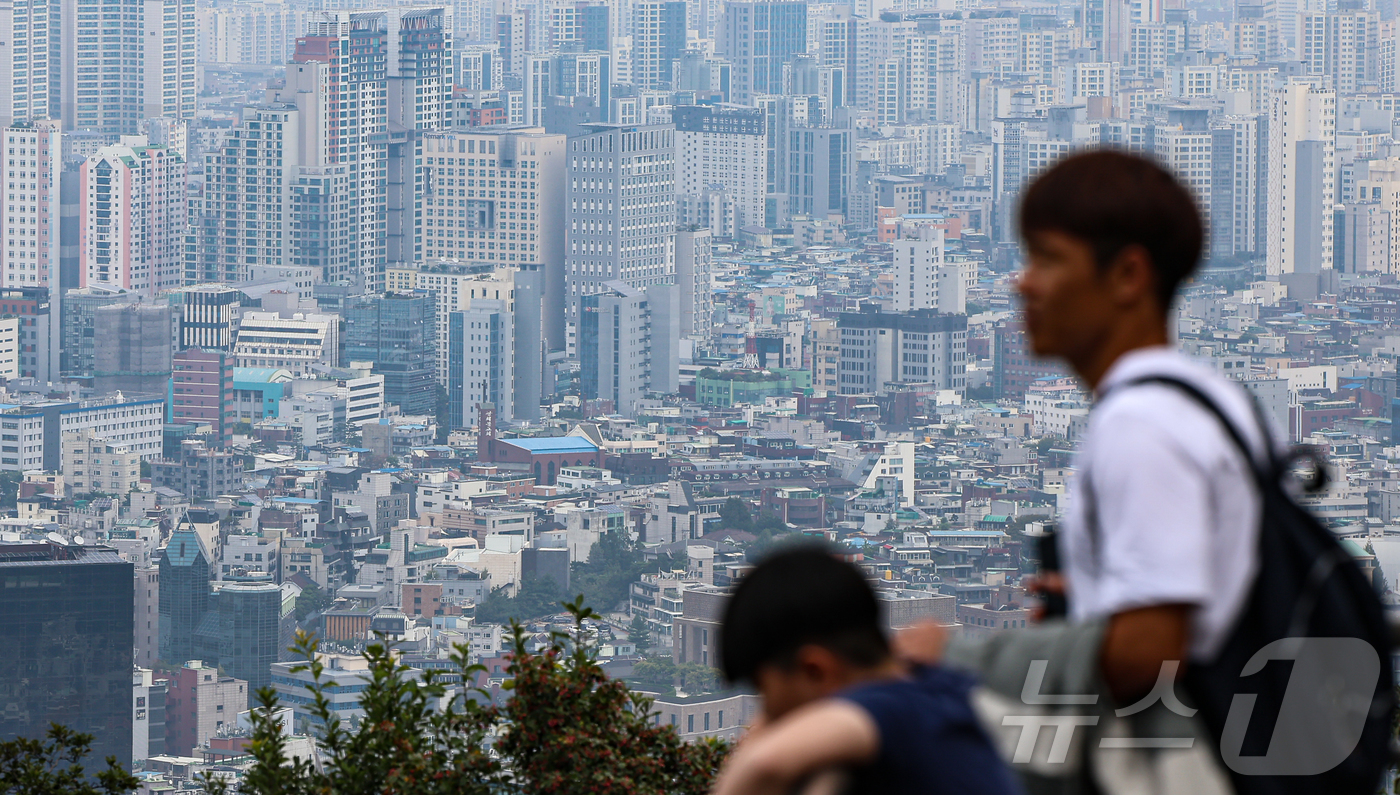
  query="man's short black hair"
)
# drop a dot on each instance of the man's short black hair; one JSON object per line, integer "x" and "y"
{"x": 795, "y": 597}
{"x": 1112, "y": 200}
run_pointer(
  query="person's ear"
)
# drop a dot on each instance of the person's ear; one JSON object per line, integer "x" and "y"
{"x": 817, "y": 664}
{"x": 1132, "y": 276}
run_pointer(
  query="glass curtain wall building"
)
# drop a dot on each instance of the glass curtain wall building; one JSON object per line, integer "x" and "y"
{"x": 66, "y": 624}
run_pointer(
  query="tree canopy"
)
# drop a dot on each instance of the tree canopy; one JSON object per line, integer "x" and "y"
{"x": 312, "y": 600}
{"x": 536, "y": 596}
{"x": 734, "y": 515}
{"x": 53, "y": 766}
{"x": 564, "y": 727}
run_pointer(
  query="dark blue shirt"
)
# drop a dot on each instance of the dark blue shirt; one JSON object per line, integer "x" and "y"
{"x": 930, "y": 739}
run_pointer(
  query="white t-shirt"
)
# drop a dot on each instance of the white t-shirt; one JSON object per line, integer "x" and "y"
{"x": 1177, "y": 508}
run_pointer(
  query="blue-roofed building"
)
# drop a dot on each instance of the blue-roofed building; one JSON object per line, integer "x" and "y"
{"x": 544, "y": 456}
{"x": 257, "y": 390}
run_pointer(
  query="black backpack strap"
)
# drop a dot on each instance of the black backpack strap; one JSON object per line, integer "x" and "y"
{"x": 1264, "y": 476}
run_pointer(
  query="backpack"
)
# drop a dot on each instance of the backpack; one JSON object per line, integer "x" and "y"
{"x": 1323, "y": 723}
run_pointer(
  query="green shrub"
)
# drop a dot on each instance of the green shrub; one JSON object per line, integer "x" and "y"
{"x": 564, "y": 728}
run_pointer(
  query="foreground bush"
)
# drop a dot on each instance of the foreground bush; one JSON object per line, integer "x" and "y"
{"x": 565, "y": 728}
{"x": 53, "y": 766}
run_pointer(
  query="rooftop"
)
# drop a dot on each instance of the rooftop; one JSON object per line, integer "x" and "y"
{"x": 553, "y": 444}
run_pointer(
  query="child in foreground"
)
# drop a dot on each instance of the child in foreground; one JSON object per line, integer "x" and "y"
{"x": 804, "y": 629}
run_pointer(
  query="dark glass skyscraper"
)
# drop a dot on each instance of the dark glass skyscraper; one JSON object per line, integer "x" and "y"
{"x": 246, "y": 617}
{"x": 67, "y": 629}
{"x": 398, "y": 332}
{"x": 184, "y": 593}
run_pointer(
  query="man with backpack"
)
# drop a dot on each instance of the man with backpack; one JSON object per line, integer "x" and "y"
{"x": 1161, "y": 540}
{"x": 1183, "y": 558}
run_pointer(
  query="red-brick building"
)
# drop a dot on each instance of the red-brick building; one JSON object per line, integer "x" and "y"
{"x": 544, "y": 456}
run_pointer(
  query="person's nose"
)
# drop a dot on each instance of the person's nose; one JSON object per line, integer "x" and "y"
{"x": 1021, "y": 281}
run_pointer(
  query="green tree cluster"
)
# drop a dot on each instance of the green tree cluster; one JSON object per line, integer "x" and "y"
{"x": 614, "y": 563}
{"x": 693, "y": 678}
{"x": 639, "y": 635}
{"x": 565, "y": 728}
{"x": 9, "y": 490}
{"x": 734, "y": 514}
{"x": 53, "y": 766}
{"x": 535, "y": 597}
{"x": 312, "y": 600}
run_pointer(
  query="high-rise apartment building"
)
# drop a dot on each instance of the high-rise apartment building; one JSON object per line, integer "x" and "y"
{"x": 420, "y": 99}
{"x": 1302, "y": 189}
{"x": 479, "y": 67}
{"x": 615, "y": 346}
{"x": 721, "y": 167}
{"x": 579, "y": 26}
{"x": 168, "y": 59}
{"x": 1255, "y": 31}
{"x": 585, "y": 74}
{"x": 513, "y": 29}
{"x": 1239, "y": 185}
{"x": 66, "y": 623}
{"x": 621, "y": 209}
{"x": 325, "y": 226}
{"x": 758, "y": 38}
{"x": 30, "y": 250}
{"x": 658, "y": 39}
{"x": 694, "y": 290}
{"x": 1342, "y": 47}
{"x": 1187, "y": 153}
{"x": 1107, "y": 24}
{"x": 254, "y": 34}
{"x": 28, "y": 36}
{"x": 244, "y": 217}
{"x": 537, "y": 86}
{"x": 820, "y": 171}
{"x": 481, "y": 362}
{"x": 311, "y": 177}
{"x": 342, "y": 64}
{"x": 111, "y": 83}
{"x": 132, "y": 227}
{"x": 1378, "y": 191}
{"x": 398, "y": 333}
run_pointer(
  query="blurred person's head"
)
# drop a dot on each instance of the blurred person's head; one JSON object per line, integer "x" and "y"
{"x": 1109, "y": 237}
{"x": 801, "y": 626}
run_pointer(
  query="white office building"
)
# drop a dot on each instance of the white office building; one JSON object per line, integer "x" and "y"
{"x": 925, "y": 279}
{"x": 721, "y": 167}
{"x": 621, "y": 210}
